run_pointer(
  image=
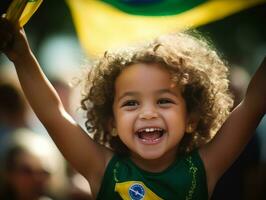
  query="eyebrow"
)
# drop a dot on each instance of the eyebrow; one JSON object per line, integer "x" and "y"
{"x": 162, "y": 91}
{"x": 131, "y": 93}
{"x": 134, "y": 93}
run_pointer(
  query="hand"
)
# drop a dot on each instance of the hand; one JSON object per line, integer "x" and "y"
{"x": 13, "y": 40}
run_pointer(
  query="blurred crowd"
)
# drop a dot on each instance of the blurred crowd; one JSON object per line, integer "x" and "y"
{"x": 31, "y": 167}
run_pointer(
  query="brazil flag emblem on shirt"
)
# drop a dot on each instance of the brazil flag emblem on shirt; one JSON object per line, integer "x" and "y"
{"x": 107, "y": 24}
{"x": 135, "y": 190}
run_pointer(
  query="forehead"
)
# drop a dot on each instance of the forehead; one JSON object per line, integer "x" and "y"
{"x": 144, "y": 77}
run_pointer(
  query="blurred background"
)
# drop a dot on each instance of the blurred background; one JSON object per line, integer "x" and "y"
{"x": 240, "y": 39}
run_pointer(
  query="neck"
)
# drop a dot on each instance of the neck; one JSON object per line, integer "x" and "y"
{"x": 154, "y": 165}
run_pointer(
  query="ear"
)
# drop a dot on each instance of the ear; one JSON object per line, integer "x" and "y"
{"x": 192, "y": 122}
{"x": 111, "y": 124}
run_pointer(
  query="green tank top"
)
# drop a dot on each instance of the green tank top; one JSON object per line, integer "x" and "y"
{"x": 185, "y": 179}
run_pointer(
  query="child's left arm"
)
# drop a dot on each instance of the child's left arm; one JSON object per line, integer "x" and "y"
{"x": 235, "y": 133}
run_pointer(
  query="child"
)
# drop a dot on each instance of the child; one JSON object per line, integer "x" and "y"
{"x": 157, "y": 106}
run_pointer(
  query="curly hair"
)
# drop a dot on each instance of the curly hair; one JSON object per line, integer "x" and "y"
{"x": 191, "y": 63}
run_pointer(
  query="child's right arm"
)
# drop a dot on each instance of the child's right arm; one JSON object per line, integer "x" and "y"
{"x": 88, "y": 157}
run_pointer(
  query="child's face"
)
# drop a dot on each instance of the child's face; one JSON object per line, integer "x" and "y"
{"x": 149, "y": 110}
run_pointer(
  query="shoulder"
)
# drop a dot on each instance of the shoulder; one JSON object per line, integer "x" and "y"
{"x": 106, "y": 183}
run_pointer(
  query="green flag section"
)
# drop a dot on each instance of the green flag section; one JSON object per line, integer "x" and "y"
{"x": 154, "y": 7}
{"x": 106, "y": 24}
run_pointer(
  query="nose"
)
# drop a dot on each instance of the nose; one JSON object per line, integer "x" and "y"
{"x": 148, "y": 113}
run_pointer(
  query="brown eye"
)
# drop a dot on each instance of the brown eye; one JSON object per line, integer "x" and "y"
{"x": 130, "y": 103}
{"x": 164, "y": 101}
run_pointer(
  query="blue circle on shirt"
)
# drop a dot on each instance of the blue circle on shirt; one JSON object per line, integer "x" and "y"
{"x": 136, "y": 192}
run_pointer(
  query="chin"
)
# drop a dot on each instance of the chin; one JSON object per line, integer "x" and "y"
{"x": 150, "y": 155}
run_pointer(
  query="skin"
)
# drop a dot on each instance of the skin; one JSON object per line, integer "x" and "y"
{"x": 73, "y": 141}
{"x": 28, "y": 179}
{"x": 157, "y": 105}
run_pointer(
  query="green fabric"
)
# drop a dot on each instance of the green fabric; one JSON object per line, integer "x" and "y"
{"x": 156, "y": 8}
{"x": 185, "y": 179}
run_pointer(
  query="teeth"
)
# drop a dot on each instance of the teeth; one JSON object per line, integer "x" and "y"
{"x": 150, "y": 129}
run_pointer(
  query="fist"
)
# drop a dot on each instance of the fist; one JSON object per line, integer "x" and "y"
{"x": 6, "y": 34}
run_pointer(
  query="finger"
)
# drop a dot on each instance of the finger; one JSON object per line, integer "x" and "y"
{"x": 8, "y": 26}
{"x": 5, "y": 40}
{"x": 6, "y": 34}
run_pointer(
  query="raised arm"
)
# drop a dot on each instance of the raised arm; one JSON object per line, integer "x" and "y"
{"x": 235, "y": 133}
{"x": 88, "y": 157}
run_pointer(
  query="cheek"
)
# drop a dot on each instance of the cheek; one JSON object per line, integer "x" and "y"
{"x": 120, "y": 114}
{"x": 176, "y": 118}
{"x": 124, "y": 119}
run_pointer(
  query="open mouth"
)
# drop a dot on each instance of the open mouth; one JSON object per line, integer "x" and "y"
{"x": 150, "y": 134}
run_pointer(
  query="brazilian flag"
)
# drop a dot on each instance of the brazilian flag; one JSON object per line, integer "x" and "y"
{"x": 107, "y": 24}
{"x": 19, "y": 11}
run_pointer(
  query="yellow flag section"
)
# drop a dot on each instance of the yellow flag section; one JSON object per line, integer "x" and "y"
{"x": 135, "y": 190}
{"x": 101, "y": 26}
{"x": 22, "y": 10}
